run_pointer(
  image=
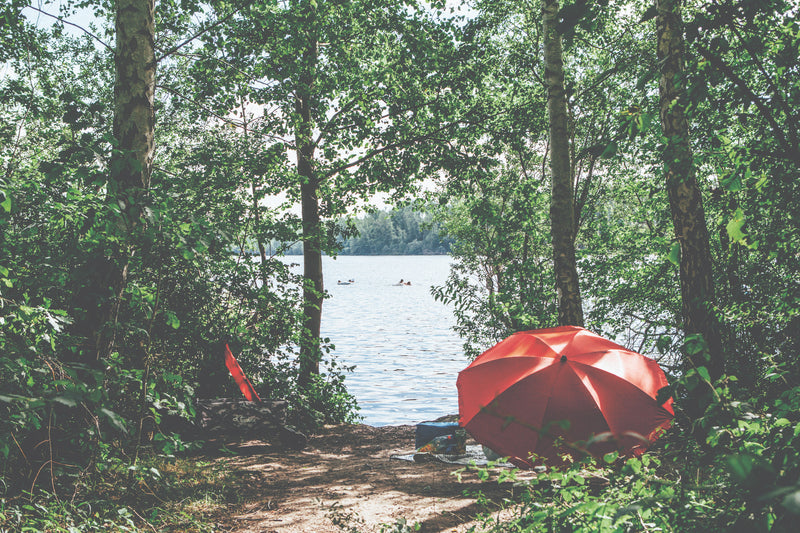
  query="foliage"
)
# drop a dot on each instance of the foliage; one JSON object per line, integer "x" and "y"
{"x": 403, "y": 231}
{"x": 68, "y": 418}
{"x": 743, "y": 477}
{"x": 398, "y": 94}
{"x": 353, "y": 92}
{"x": 742, "y": 58}
{"x": 325, "y": 400}
{"x": 500, "y": 280}
{"x": 172, "y": 495}
{"x": 499, "y": 172}
{"x": 400, "y": 231}
{"x": 734, "y": 466}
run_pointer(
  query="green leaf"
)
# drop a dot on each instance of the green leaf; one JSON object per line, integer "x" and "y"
{"x": 740, "y": 466}
{"x": 663, "y": 343}
{"x": 68, "y": 400}
{"x": 646, "y": 119}
{"x": 635, "y": 465}
{"x": 703, "y": 371}
{"x": 675, "y": 254}
{"x": 115, "y": 419}
{"x": 761, "y": 182}
{"x": 610, "y": 150}
{"x": 691, "y": 381}
{"x": 734, "y": 227}
{"x": 732, "y": 182}
{"x": 8, "y": 398}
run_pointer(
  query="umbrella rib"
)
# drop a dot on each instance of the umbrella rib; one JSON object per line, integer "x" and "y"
{"x": 594, "y": 399}
{"x": 592, "y": 396}
{"x": 600, "y": 408}
{"x": 514, "y": 387}
{"x": 540, "y": 429}
{"x": 593, "y": 368}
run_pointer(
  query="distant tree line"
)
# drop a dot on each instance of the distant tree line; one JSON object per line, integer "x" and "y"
{"x": 402, "y": 231}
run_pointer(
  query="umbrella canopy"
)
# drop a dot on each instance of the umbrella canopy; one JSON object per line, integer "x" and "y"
{"x": 534, "y": 392}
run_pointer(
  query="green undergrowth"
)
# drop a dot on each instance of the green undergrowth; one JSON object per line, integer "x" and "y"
{"x": 158, "y": 494}
{"x": 736, "y": 469}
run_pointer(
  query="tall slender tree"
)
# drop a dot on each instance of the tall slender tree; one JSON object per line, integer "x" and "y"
{"x": 562, "y": 212}
{"x": 102, "y": 281}
{"x": 685, "y": 198}
{"x": 134, "y": 122}
{"x": 313, "y": 289}
{"x": 347, "y": 88}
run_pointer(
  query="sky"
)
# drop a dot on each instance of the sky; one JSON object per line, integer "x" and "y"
{"x": 84, "y": 16}
{"x": 81, "y": 17}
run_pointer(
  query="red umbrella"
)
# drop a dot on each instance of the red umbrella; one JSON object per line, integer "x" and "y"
{"x": 536, "y": 394}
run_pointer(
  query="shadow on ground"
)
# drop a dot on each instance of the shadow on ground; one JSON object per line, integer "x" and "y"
{"x": 345, "y": 480}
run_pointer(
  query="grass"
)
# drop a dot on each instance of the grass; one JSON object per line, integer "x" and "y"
{"x": 158, "y": 494}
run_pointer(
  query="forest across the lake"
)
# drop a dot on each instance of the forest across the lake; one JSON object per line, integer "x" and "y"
{"x": 403, "y": 231}
{"x": 625, "y": 166}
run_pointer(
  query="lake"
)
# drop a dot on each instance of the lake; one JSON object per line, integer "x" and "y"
{"x": 399, "y": 339}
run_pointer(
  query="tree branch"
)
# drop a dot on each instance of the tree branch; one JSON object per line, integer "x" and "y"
{"x": 196, "y": 35}
{"x": 84, "y": 30}
{"x": 372, "y": 153}
{"x": 719, "y": 64}
{"x": 349, "y": 105}
{"x": 201, "y": 106}
{"x": 759, "y": 65}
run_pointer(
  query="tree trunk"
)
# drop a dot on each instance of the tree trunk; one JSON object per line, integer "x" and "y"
{"x": 105, "y": 275}
{"x": 313, "y": 289}
{"x": 262, "y": 250}
{"x": 134, "y": 124}
{"x": 685, "y": 199}
{"x": 562, "y": 216}
{"x": 134, "y": 94}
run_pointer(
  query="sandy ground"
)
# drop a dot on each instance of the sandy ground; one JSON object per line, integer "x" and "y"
{"x": 345, "y": 480}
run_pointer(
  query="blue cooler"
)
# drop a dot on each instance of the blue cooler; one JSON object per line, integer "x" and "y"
{"x": 427, "y": 431}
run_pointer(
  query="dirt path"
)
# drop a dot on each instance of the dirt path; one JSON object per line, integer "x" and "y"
{"x": 346, "y": 476}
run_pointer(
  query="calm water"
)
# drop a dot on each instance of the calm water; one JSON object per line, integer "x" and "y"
{"x": 399, "y": 339}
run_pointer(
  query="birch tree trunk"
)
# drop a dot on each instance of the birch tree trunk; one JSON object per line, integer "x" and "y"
{"x": 134, "y": 95}
{"x": 685, "y": 199}
{"x": 101, "y": 289}
{"x": 134, "y": 124}
{"x": 313, "y": 287}
{"x": 562, "y": 215}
